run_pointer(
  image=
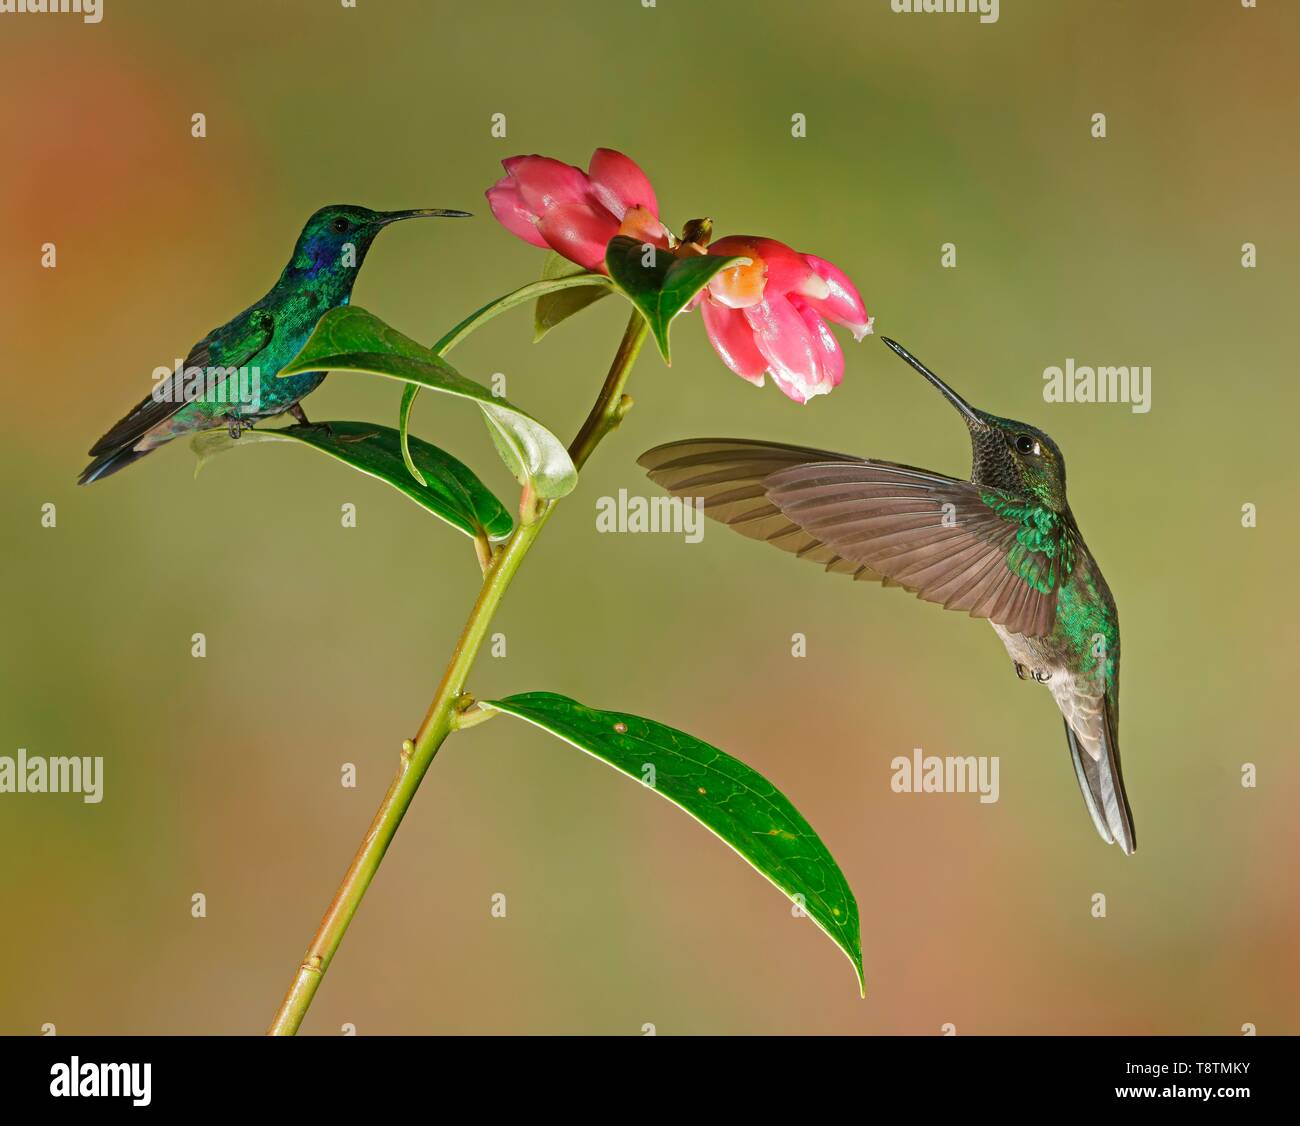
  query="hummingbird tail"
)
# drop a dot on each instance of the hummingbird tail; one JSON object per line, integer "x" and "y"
{"x": 1102, "y": 786}
{"x": 109, "y": 463}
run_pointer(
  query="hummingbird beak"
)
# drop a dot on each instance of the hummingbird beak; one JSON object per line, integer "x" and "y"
{"x": 387, "y": 217}
{"x": 972, "y": 419}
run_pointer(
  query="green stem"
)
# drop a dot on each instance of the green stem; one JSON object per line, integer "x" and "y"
{"x": 418, "y": 754}
{"x": 529, "y": 292}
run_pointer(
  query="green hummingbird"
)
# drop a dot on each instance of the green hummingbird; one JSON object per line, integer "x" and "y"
{"x": 229, "y": 378}
{"x": 1003, "y": 546}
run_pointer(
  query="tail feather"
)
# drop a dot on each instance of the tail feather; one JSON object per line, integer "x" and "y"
{"x": 1102, "y": 785}
{"x": 109, "y": 463}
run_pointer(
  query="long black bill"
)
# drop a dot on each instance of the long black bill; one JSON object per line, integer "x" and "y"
{"x": 423, "y": 213}
{"x": 948, "y": 393}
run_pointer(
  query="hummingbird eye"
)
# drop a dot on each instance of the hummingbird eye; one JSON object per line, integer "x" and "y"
{"x": 340, "y": 224}
{"x": 1026, "y": 444}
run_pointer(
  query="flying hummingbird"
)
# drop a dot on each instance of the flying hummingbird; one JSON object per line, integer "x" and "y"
{"x": 208, "y": 391}
{"x": 1003, "y": 546}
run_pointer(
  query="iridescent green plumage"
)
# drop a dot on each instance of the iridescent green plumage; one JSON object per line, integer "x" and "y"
{"x": 229, "y": 377}
{"x": 1044, "y": 552}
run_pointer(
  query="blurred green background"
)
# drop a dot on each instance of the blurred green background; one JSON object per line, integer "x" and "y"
{"x": 325, "y": 644}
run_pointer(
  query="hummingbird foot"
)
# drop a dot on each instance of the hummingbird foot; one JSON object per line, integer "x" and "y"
{"x": 301, "y": 416}
{"x": 238, "y": 425}
{"x": 1038, "y": 676}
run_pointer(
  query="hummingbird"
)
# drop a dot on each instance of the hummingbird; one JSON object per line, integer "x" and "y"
{"x": 212, "y": 388}
{"x": 1003, "y": 546}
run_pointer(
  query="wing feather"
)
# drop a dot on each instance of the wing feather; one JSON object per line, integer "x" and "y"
{"x": 233, "y": 345}
{"x": 932, "y": 535}
{"x": 727, "y": 476}
{"x": 945, "y": 540}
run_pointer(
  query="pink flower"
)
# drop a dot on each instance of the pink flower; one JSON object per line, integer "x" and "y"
{"x": 765, "y": 317}
{"x": 770, "y": 316}
{"x": 552, "y": 204}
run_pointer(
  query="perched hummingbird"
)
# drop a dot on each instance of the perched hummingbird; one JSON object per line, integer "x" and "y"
{"x": 1003, "y": 546}
{"x": 207, "y": 392}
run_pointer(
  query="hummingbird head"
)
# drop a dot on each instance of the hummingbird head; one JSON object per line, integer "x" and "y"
{"x": 336, "y": 238}
{"x": 1006, "y": 454}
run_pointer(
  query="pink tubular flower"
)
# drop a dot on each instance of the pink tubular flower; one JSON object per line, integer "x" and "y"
{"x": 552, "y": 204}
{"x": 770, "y": 316}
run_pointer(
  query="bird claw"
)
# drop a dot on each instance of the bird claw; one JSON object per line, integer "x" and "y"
{"x": 301, "y": 416}
{"x": 1038, "y": 676}
{"x": 238, "y": 425}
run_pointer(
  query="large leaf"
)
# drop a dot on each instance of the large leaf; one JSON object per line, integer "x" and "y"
{"x": 560, "y": 304}
{"x": 660, "y": 284}
{"x": 352, "y": 339}
{"x": 728, "y": 798}
{"x": 451, "y": 492}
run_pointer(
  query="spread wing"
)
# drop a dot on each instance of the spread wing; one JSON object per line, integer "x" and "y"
{"x": 233, "y": 345}
{"x": 727, "y": 476}
{"x": 948, "y": 541}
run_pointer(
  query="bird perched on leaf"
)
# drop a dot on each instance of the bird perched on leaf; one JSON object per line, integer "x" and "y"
{"x": 1003, "y": 546}
{"x": 228, "y": 379}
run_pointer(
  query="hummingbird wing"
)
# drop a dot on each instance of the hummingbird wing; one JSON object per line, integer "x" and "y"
{"x": 727, "y": 474}
{"x": 964, "y": 546}
{"x": 1091, "y": 720}
{"x": 948, "y": 541}
{"x": 233, "y": 346}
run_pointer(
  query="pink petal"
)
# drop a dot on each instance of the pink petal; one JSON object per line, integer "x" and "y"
{"x": 503, "y": 198}
{"x": 789, "y": 390}
{"x": 545, "y": 183}
{"x": 843, "y": 305}
{"x": 579, "y": 231}
{"x": 830, "y": 359}
{"x": 620, "y": 184}
{"x": 733, "y": 340}
{"x": 791, "y": 349}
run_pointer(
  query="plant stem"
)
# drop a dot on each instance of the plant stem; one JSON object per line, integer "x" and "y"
{"x": 418, "y": 754}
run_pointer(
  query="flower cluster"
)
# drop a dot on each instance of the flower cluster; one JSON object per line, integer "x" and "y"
{"x": 767, "y": 317}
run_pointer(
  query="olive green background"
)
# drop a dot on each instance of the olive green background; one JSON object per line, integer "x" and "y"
{"x": 325, "y": 643}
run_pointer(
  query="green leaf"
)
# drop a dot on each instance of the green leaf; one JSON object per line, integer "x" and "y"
{"x": 732, "y": 801}
{"x": 560, "y": 304}
{"x": 452, "y": 492}
{"x": 352, "y": 339}
{"x": 553, "y": 280}
{"x": 660, "y": 284}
